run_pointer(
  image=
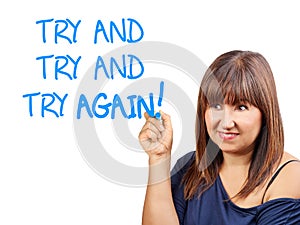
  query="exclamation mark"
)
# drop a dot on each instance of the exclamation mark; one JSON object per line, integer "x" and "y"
{"x": 161, "y": 94}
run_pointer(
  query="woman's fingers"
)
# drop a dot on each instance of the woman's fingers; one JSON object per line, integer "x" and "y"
{"x": 152, "y": 128}
{"x": 166, "y": 121}
{"x": 146, "y": 115}
{"x": 156, "y": 135}
{"x": 149, "y": 134}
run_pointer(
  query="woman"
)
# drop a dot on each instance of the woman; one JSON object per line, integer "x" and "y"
{"x": 239, "y": 173}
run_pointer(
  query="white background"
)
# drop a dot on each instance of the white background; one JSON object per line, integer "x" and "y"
{"x": 44, "y": 179}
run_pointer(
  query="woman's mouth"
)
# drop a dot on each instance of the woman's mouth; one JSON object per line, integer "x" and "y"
{"x": 227, "y": 136}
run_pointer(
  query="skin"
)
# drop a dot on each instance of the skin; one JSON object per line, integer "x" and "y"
{"x": 234, "y": 129}
{"x": 157, "y": 143}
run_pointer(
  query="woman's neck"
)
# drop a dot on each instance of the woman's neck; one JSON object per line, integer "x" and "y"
{"x": 236, "y": 164}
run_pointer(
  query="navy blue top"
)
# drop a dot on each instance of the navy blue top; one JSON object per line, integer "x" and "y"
{"x": 211, "y": 209}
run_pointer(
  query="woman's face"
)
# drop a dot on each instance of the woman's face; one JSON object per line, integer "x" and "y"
{"x": 234, "y": 128}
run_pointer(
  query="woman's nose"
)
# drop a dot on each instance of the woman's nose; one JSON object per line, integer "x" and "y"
{"x": 227, "y": 120}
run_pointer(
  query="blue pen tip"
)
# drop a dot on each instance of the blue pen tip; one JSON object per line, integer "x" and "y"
{"x": 157, "y": 116}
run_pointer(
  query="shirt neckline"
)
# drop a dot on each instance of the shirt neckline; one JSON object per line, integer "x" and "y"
{"x": 231, "y": 203}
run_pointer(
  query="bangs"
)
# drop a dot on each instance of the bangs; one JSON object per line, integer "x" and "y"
{"x": 231, "y": 86}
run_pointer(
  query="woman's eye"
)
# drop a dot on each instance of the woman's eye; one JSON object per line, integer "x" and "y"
{"x": 216, "y": 106}
{"x": 242, "y": 107}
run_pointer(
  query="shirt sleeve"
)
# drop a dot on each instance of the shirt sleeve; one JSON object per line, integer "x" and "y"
{"x": 177, "y": 187}
{"x": 282, "y": 211}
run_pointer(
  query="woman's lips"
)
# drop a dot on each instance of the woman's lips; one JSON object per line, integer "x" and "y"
{"x": 227, "y": 136}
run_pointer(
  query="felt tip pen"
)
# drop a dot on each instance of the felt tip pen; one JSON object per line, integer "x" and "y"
{"x": 157, "y": 116}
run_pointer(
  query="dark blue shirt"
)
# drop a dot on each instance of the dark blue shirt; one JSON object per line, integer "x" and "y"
{"x": 214, "y": 208}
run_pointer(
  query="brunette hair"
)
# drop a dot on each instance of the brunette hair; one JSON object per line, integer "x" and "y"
{"x": 234, "y": 77}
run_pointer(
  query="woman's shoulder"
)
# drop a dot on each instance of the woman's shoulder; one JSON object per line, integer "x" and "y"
{"x": 286, "y": 184}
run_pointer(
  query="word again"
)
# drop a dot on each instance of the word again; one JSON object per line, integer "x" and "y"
{"x": 132, "y": 107}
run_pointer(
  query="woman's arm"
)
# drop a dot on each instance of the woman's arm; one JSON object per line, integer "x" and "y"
{"x": 156, "y": 139}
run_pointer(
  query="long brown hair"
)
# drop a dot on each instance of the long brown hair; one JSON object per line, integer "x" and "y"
{"x": 233, "y": 77}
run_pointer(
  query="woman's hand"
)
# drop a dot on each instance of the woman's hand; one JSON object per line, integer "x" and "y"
{"x": 156, "y": 139}
{"x": 156, "y": 136}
